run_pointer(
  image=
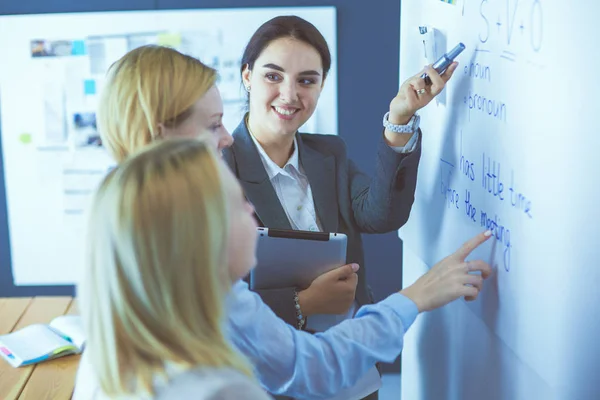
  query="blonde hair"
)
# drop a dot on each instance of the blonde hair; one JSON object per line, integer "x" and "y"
{"x": 157, "y": 274}
{"x": 148, "y": 86}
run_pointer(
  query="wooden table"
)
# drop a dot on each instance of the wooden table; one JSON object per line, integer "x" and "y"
{"x": 50, "y": 379}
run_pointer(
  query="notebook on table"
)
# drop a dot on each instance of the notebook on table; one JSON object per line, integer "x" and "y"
{"x": 35, "y": 343}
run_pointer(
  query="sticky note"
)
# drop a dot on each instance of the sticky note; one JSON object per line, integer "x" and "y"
{"x": 25, "y": 138}
{"x": 89, "y": 86}
{"x": 169, "y": 39}
{"x": 78, "y": 48}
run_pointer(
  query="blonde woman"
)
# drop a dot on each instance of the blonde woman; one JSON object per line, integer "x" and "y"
{"x": 169, "y": 233}
{"x": 154, "y": 93}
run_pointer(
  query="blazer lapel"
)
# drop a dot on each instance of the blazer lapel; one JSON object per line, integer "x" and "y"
{"x": 244, "y": 160}
{"x": 320, "y": 171}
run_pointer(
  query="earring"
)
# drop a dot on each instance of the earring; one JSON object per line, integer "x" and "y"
{"x": 248, "y": 88}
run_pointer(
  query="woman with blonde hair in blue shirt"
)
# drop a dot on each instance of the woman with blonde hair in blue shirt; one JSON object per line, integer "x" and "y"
{"x": 170, "y": 232}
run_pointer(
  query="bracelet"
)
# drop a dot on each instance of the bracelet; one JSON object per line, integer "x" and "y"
{"x": 299, "y": 316}
{"x": 410, "y": 127}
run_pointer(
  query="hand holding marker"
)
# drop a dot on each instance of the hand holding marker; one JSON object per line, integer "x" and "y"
{"x": 444, "y": 62}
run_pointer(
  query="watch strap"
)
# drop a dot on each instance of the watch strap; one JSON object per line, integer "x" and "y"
{"x": 410, "y": 127}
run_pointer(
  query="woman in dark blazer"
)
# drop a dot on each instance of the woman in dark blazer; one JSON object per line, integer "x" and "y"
{"x": 306, "y": 181}
{"x": 284, "y": 67}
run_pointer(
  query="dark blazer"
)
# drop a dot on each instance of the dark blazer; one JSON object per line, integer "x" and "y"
{"x": 346, "y": 200}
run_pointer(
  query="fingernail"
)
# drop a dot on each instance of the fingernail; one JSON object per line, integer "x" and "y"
{"x": 354, "y": 267}
{"x": 487, "y": 233}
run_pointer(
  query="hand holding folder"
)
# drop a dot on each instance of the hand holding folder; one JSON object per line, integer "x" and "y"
{"x": 288, "y": 258}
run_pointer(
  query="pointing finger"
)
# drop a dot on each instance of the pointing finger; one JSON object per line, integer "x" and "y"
{"x": 472, "y": 244}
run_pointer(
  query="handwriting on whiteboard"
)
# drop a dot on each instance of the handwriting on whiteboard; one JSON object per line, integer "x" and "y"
{"x": 512, "y": 21}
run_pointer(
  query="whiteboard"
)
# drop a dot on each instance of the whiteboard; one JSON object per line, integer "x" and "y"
{"x": 52, "y": 71}
{"x": 511, "y": 145}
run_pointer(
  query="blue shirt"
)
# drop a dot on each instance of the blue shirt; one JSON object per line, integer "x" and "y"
{"x": 299, "y": 364}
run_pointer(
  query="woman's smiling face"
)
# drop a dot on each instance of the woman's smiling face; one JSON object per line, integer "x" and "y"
{"x": 285, "y": 85}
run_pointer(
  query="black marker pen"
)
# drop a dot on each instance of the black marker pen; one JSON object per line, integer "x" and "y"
{"x": 444, "y": 62}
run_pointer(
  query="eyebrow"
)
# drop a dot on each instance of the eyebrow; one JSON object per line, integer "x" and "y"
{"x": 303, "y": 73}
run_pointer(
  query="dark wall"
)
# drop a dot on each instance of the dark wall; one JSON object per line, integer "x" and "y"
{"x": 368, "y": 43}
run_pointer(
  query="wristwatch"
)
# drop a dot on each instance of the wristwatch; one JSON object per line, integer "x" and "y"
{"x": 411, "y": 127}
